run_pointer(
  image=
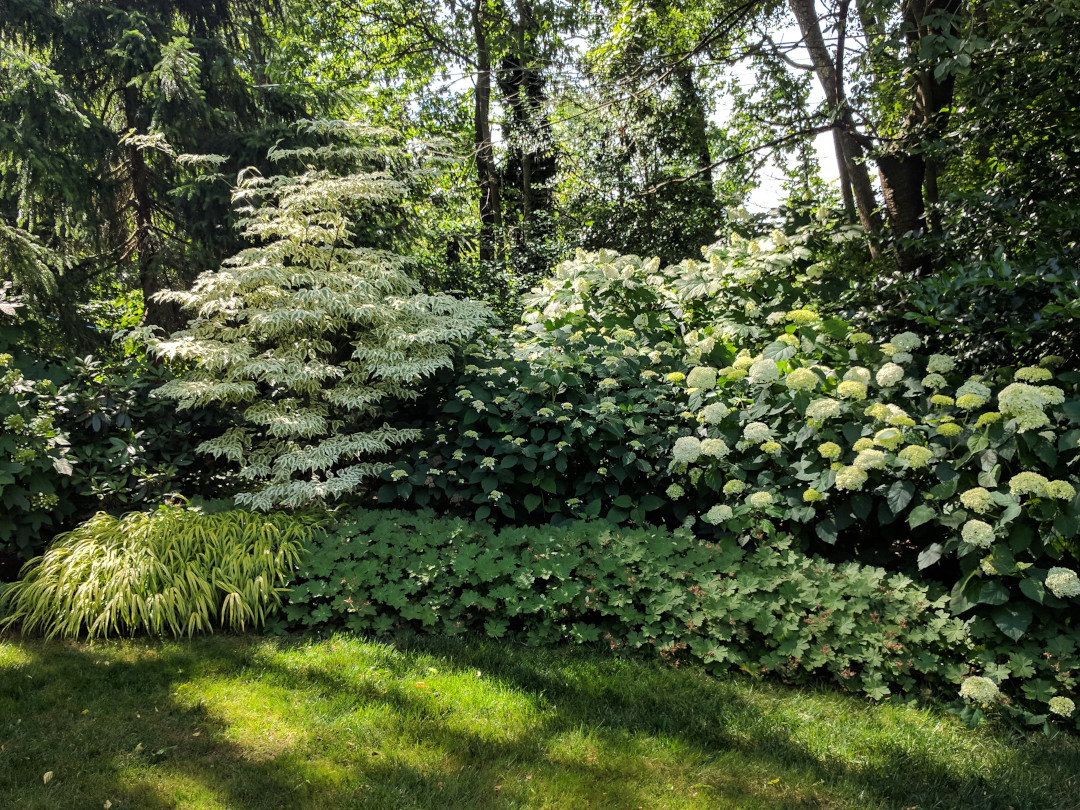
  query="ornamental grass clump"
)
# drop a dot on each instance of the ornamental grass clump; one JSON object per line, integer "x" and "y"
{"x": 174, "y": 571}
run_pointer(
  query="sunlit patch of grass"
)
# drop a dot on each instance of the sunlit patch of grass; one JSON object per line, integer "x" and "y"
{"x": 240, "y": 722}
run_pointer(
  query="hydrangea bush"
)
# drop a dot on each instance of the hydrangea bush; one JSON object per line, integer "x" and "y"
{"x": 840, "y": 440}
{"x": 714, "y": 395}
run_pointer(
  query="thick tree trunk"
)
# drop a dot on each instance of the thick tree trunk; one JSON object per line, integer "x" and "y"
{"x": 908, "y": 180}
{"x": 486, "y": 178}
{"x": 699, "y": 122}
{"x": 531, "y": 161}
{"x": 851, "y": 153}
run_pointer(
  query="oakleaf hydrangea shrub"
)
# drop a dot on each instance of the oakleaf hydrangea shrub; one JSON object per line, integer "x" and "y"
{"x": 761, "y": 610}
{"x": 34, "y": 462}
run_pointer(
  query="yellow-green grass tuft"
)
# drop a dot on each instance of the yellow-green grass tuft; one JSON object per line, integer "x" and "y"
{"x": 173, "y": 571}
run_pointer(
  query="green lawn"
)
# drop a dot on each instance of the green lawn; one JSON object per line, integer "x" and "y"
{"x": 246, "y": 722}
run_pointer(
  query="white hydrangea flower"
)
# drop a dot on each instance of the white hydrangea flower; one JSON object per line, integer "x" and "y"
{"x": 934, "y": 381}
{"x": 734, "y": 487}
{"x": 1063, "y": 583}
{"x": 1024, "y": 403}
{"x": 851, "y": 389}
{"x": 850, "y": 478}
{"x": 1062, "y": 706}
{"x": 801, "y": 379}
{"x": 641, "y": 321}
{"x": 1028, "y": 483}
{"x": 858, "y": 374}
{"x": 675, "y": 492}
{"x": 978, "y": 533}
{"x": 974, "y": 387}
{"x": 687, "y": 450}
{"x": 714, "y": 448}
{"x": 701, "y": 377}
{"x": 1052, "y": 394}
{"x": 822, "y": 409}
{"x": 764, "y": 372}
{"x": 941, "y": 363}
{"x": 714, "y": 413}
{"x": 743, "y": 361}
{"x": 756, "y": 433}
{"x": 759, "y": 500}
{"x": 906, "y": 342}
{"x": 979, "y": 690}
{"x": 915, "y": 456}
{"x": 889, "y": 374}
{"x": 977, "y": 499}
{"x": 869, "y": 460}
{"x": 1060, "y": 490}
{"x": 1033, "y": 374}
{"x": 720, "y": 513}
{"x": 901, "y": 357}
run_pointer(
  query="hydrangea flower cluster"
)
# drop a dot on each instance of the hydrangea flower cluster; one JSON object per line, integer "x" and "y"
{"x": 687, "y": 450}
{"x": 759, "y": 500}
{"x": 978, "y": 533}
{"x": 850, "y": 478}
{"x": 829, "y": 450}
{"x": 1062, "y": 706}
{"x": 889, "y": 374}
{"x": 979, "y": 690}
{"x": 764, "y": 371}
{"x": 1024, "y": 403}
{"x": 756, "y": 433}
{"x": 851, "y": 389}
{"x": 1063, "y": 583}
{"x": 701, "y": 377}
{"x": 801, "y": 379}
{"x": 977, "y": 499}
{"x": 719, "y": 513}
{"x": 713, "y": 413}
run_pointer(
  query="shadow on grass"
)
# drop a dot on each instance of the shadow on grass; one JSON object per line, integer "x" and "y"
{"x": 125, "y": 724}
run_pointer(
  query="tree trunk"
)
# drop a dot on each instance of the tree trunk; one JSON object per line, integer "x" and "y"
{"x": 165, "y": 315}
{"x": 486, "y": 178}
{"x": 838, "y": 140}
{"x": 908, "y": 180}
{"x": 699, "y": 123}
{"x": 851, "y": 153}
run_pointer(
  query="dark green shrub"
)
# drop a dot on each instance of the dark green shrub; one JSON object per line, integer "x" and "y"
{"x": 171, "y": 571}
{"x": 987, "y": 313}
{"x": 130, "y": 448}
{"x": 34, "y": 462}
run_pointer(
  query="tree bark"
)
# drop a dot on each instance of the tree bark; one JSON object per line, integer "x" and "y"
{"x": 698, "y": 131}
{"x": 486, "y": 178}
{"x": 838, "y": 141}
{"x": 151, "y": 281}
{"x": 851, "y": 154}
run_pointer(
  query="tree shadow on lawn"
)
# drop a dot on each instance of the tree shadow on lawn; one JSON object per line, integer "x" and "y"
{"x": 594, "y": 737}
{"x": 713, "y": 719}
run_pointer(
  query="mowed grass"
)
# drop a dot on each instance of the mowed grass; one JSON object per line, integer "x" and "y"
{"x": 247, "y": 722}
